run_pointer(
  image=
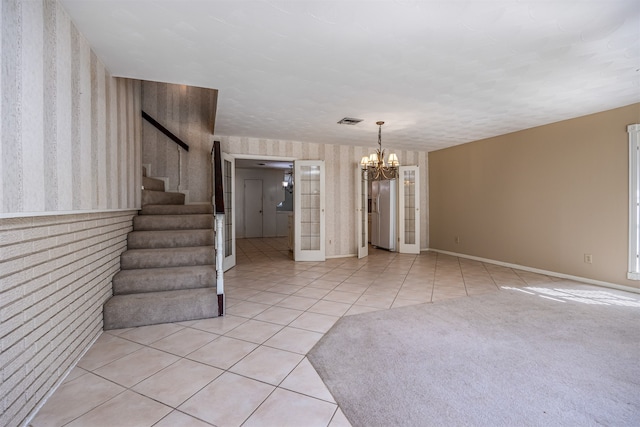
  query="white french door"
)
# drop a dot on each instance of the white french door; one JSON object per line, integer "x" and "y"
{"x": 309, "y": 220}
{"x": 409, "y": 210}
{"x": 228, "y": 185}
{"x": 362, "y": 214}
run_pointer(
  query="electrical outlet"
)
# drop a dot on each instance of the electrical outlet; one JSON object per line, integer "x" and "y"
{"x": 588, "y": 258}
{"x": 456, "y": 239}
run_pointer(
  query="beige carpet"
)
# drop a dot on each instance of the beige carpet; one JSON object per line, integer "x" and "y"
{"x": 502, "y": 359}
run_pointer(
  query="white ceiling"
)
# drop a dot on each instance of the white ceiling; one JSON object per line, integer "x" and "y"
{"x": 439, "y": 72}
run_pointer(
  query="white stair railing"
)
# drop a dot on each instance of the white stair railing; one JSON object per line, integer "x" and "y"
{"x": 218, "y": 203}
{"x": 219, "y": 230}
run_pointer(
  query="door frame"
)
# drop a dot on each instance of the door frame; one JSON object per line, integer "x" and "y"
{"x": 402, "y": 246}
{"x": 252, "y": 157}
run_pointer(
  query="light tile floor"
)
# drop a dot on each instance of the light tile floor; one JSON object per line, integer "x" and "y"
{"x": 249, "y": 367}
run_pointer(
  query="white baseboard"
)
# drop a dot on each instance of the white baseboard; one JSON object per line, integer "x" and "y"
{"x": 540, "y": 271}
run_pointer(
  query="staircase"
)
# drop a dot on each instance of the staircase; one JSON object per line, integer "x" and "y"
{"x": 168, "y": 271}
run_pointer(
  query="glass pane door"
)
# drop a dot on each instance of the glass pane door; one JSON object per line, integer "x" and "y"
{"x": 409, "y": 209}
{"x": 309, "y": 231}
{"x": 228, "y": 185}
{"x": 362, "y": 214}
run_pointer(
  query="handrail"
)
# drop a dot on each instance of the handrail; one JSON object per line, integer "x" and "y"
{"x": 165, "y": 131}
{"x": 219, "y": 224}
{"x": 217, "y": 170}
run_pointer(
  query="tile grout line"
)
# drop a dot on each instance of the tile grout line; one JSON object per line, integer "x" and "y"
{"x": 359, "y": 279}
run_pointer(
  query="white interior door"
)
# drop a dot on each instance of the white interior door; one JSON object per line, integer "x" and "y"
{"x": 362, "y": 214}
{"x": 252, "y": 208}
{"x": 309, "y": 227}
{"x": 228, "y": 185}
{"x": 409, "y": 210}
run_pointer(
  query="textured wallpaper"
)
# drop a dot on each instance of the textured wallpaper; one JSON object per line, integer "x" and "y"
{"x": 70, "y": 132}
{"x": 189, "y": 113}
{"x": 341, "y": 162}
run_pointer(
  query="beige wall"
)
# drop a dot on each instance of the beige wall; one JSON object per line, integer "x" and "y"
{"x": 542, "y": 197}
{"x": 341, "y": 162}
{"x": 189, "y": 113}
{"x": 69, "y": 186}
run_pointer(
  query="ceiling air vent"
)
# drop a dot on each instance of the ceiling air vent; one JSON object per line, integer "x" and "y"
{"x": 349, "y": 121}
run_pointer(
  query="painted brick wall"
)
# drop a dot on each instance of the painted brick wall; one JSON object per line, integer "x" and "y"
{"x": 56, "y": 274}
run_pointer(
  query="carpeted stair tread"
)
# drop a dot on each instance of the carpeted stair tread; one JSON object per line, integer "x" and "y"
{"x": 152, "y": 184}
{"x": 168, "y": 271}
{"x": 126, "y": 311}
{"x": 167, "y": 257}
{"x": 172, "y": 222}
{"x": 177, "y": 209}
{"x": 150, "y": 197}
{"x": 164, "y": 279}
{"x": 169, "y": 239}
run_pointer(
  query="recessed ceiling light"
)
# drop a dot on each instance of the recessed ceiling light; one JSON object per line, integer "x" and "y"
{"x": 349, "y": 121}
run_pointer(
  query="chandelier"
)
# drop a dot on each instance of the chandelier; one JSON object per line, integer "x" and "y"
{"x": 375, "y": 167}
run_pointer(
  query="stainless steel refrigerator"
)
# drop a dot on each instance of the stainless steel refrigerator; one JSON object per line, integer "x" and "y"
{"x": 383, "y": 214}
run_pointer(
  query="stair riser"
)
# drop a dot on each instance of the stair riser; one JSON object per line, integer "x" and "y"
{"x": 163, "y": 279}
{"x": 127, "y": 311}
{"x": 155, "y": 258}
{"x": 172, "y": 222}
{"x": 169, "y": 239}
{"x": 168, "y": 271}
{"x": 161, "y": 198}
{"x": 177, "y": 209}
{"x": 152, "y": 184}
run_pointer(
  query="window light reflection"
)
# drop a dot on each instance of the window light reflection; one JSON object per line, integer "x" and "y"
{"x": 585, "y": 296}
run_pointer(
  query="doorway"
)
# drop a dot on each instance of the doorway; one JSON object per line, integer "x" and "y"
{"x": 272, "y": 196}
{"x": 266, "y": 199}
